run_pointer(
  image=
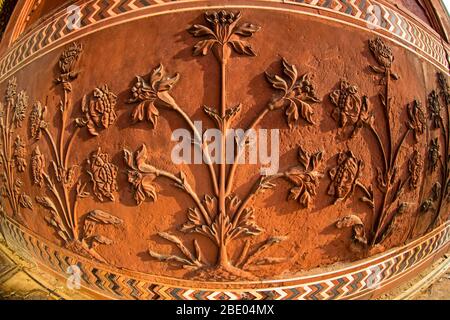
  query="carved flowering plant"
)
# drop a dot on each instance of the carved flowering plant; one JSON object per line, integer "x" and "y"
{"x": 37, "y": 120}
{"x": 416, "y": 118}
{"x": 152, "y": 95}
{"x": 12, "y": 150}
{"x": 298, "y": 93}
{"x": 100, "y": 111}
{"x": 103, "y": 175}
{"x": 63, "y": 180}
{"x": 306, "y": 178}
{"x": 225, "y": 32}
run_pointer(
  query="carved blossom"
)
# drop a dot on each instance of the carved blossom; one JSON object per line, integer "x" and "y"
{"x": 433, "y": 155}
{"x": 416, "y": 118}
{"x": 435, "y": 109}
{"x": 11, "y": 90}
{"x": 358, "y": 231}
{"x": 349, "y": 109}
{"x": 141, "y": 175}
{"x": 381, "y": 51}
{"x": 298, "y": 93}
{"x": 103, "y": 175}
{"x": 37, "y": 120}
{"x": 152, "y": 95}
{"x": 19, "y": 154}
{"x": 38, "y": 166}
{"x": 67, "y": 63}
{"x": 443, "y": 84}
{"x": 223, "y": 30}
{"x": 415, "y": 165}
{"x": 100, "y": 111}
{"x": 19, "y": 109}
{"x": 306, "y": 179}
{"x": 344, "y": 176}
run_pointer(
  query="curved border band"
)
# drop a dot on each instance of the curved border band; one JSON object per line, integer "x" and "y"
{"x": 357, "y": 280}
{"x": 96, "y": 15}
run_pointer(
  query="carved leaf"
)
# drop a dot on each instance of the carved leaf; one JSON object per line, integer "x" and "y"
{"x": 233, "y": 203}
{"x": 277, "y": 82}
{"x": 210, "y": 204}
{"x": 316, "y": 159}
{"x": 25, "y": 201}
{"x": 305, "y": 183}
{"x": 198, "y": 30}
{"x": 303, "y": 157}
{"x": 246, "y": 29}
{"x": 179, "y": 244}
{"x": 259, "y": 249}
{"x": 195, "y": 220}
{"x": 292, "y": 114}
{"x": 290, "y": 70}
{"x": 246, "y": 224}
{"x": 212, "y": 113}
{"x": 203, "y": 46}
{"x": 102, "y": 240}
{"x": 168, "y": 258}
{"x": 46, "y": 202}
{"x": 306, "y": 111}
{"x": 100, "y": 216}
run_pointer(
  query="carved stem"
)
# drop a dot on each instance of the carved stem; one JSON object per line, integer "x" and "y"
{"x": 53, "y": 144}
{"x": 63, "y": 125}
{"x": 363, "y": 188}
{"x": 75, "y": 218}
{"x": 189, "y": 190}
{"x": 380, "y": 144}
{"x": 387, "y": 113}
{"x": 253, "y": 192}
{"x": 65, "y": 215}
{"x": 397, "y": 151}
{"x": 69, "y": 146}
{"x": 241, "y": 149}
{"x": 204, "y": 147}
{"x": 223, "y": 106}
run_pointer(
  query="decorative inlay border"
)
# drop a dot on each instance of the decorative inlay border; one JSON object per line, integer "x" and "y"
{"x": 351, "y": 282}
{"x": 54, "y": 30}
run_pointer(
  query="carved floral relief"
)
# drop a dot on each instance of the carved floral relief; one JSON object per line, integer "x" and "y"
{"x": 13, "y": 152}
{"x": 61, "y": 179}
{"x": 228, "y": 221}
